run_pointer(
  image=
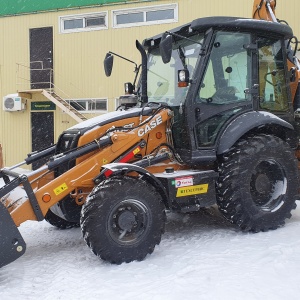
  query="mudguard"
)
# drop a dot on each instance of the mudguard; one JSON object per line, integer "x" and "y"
{"x": 123, "y": 168}
{"x": 12, "y": 245}
{"x": 247, "y": 122}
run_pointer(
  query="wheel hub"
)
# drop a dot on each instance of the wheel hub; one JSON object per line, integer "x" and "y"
{"x": 263, "y": 184}
{"x": 267, "y": 184}
{"x": 126, "y": 220}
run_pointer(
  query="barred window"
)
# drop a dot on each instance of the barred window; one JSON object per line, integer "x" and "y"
{"x": 86, "y": 22}
{"x": 89, "y": 105}
{"x": 145, "y": 15}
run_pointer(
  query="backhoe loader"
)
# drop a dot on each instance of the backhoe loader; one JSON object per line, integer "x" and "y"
{"x": 213, "y": 119}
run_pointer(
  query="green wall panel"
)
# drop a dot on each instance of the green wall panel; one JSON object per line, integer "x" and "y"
{"x": 13, "y": 7}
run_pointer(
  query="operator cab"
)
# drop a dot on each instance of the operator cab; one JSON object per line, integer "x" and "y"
{"x": 214, "y": 70}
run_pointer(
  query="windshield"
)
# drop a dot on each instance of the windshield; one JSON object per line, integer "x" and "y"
{"x": 162, "y": 78}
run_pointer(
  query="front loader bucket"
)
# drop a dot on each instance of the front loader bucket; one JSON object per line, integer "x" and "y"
{"x": 12, "y": 245}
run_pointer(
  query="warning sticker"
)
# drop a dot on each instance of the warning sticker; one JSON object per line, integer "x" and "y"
{"x": 60, "y": 189}
{"x": 184, "y": 181}
{"x": 136, "y": 151}
{"x": 192, "y": 190}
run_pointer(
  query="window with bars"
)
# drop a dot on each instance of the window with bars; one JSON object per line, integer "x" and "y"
{"x": 145, "y": 15}
{"x": 86, "y": 22}
{"x": 89, "y": 105}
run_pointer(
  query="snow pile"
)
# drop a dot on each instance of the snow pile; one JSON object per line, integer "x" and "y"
{"x": 201, "y": 256}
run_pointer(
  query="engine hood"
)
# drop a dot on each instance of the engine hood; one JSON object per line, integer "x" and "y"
{"x": 109, "y": 118}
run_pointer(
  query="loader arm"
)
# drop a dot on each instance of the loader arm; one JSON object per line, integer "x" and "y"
{"x": 83, "y": 174}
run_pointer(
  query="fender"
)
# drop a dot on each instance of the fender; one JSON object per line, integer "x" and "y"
{"x": 247, "y": 122}
{"x": 118, "y": 168}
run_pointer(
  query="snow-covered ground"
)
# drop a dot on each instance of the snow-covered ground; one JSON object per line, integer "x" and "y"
{"x": 201, "y": 256}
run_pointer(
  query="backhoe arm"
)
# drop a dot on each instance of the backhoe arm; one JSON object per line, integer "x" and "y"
{"x": 264, "y": 10}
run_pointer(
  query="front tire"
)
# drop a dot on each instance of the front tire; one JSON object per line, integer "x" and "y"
{"x": 258, "y": 183}
{"x": 59, "y": 222}
{"x": 123, "y": 219}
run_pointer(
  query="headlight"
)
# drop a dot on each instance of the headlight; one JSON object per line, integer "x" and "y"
{"x": 183, "y": 78}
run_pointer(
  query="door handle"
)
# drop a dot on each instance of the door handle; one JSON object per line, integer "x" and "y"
{"x": 197, "y": 113}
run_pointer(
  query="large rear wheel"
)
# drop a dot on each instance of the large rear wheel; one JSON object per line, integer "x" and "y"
{"x": 258, "y": 183}
{"x": 123, "y": 219}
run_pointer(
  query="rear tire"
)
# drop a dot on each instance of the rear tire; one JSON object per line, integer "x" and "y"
{"x": 123, "y": 219}
{"x": 258, "y": 183}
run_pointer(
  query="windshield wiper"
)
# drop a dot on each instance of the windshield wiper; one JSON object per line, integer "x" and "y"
{"x": 183, "y": 37}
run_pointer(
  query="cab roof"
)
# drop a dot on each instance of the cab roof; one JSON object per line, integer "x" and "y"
{"x": 227, "y": 24}
{"x": 242, "y": 24}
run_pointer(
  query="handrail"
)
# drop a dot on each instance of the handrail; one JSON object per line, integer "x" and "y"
{"x": 23, "y": 82}
{"x": 23, "y": 73}
{"x": 63, "y": 104}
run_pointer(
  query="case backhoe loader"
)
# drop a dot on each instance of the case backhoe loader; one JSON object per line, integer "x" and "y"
{"x": 213, "y": 119}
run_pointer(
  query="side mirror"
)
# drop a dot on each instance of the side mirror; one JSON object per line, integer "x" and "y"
{"x": 108, "y": 64}
{"x": 165, "y": 47}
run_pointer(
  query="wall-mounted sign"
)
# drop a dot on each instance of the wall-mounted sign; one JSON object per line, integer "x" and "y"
{"x": 42, "y": 105}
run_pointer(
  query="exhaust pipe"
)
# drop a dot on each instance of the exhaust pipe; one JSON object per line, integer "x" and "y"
{"x": 144, "y": 82}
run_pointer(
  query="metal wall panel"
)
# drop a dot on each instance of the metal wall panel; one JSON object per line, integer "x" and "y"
{"x": 78, "y": 58}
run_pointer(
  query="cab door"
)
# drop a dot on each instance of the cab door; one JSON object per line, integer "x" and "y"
{"x": 223, "y": 91}
{"x": 274, "y": 84}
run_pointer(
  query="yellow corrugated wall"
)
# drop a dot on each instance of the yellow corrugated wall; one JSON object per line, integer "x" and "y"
{"x": 78, "y": 58}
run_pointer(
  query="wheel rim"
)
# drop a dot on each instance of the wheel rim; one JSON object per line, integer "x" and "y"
{"x": 268, "y": 185}
{"x": 128, "y": 222}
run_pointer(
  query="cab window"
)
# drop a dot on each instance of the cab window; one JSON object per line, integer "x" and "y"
{"x": 272, "y": 82}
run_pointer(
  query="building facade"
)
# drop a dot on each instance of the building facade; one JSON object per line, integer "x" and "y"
{"x": 60, "y": 47}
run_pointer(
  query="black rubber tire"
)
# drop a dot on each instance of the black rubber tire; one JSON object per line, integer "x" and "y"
{"x": 258, "y": 183}
{"x": 59, "y": 222}
{"x": 123, "y": 219}
{"x": 70, "y": 209}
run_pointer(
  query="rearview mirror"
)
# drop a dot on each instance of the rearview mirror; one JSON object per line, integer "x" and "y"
{"x": 165, "y": 47}
{"x": 108, "y": 64}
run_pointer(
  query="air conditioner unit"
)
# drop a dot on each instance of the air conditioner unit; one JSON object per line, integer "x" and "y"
{"x": 14, "y": 103}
